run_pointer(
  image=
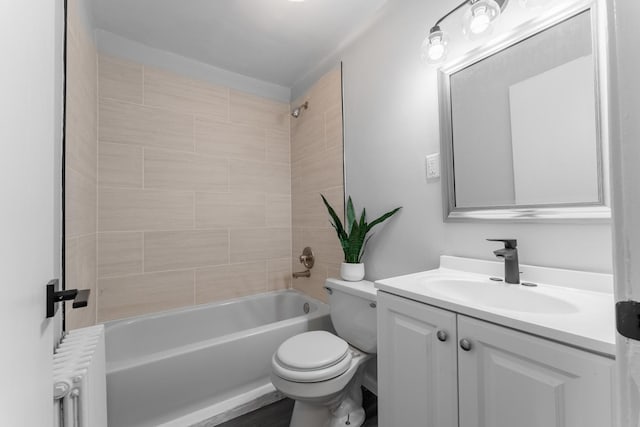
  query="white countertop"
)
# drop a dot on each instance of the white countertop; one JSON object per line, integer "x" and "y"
{"x": 591, "y": 326}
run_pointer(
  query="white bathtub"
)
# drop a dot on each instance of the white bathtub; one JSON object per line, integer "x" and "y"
{"x": 184, "y": 366}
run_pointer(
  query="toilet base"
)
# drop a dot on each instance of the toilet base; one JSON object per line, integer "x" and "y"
{"x": 348, "y": 414}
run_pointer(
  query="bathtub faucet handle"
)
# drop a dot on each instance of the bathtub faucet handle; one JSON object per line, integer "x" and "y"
{"x": 307, "y": 258}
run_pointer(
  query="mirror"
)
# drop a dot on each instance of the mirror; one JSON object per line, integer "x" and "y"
{"x": 521, "y": 126}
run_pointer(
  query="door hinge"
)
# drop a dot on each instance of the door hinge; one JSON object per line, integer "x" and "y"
{"x": 628, "y": 319}
{"x": 80, "y": 297}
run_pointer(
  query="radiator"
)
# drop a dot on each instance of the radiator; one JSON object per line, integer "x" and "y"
{"x": 79, "y": 380}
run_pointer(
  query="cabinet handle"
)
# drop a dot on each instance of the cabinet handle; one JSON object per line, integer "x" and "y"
{"x": 442, "y": 335}
{"x": 465, "y": 344}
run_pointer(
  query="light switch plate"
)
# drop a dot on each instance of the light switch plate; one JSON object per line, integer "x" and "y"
{"x": 433, "y": 166}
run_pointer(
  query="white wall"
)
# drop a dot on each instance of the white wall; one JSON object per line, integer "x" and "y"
{"x": 390, "y": 124}
{"x": 30, "y": 134}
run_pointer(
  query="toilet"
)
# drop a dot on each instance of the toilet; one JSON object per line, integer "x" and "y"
{"x": 322, "y": 371}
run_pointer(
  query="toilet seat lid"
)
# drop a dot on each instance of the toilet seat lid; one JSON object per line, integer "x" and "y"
{"x": 313, "y": 350}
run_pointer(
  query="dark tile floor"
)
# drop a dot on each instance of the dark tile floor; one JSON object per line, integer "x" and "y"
{"x": 278, "y": 414}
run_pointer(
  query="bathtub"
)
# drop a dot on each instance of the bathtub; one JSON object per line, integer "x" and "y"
{"x": 187, "y": 366}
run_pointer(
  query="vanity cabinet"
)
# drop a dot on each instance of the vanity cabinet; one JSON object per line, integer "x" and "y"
{"x": 417, "y": 371}
{"x": 482, "y": 374}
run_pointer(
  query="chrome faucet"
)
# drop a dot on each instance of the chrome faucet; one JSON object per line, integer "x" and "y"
{"x": 510, "y": 255}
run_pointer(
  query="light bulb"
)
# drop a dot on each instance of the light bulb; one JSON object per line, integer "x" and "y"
{"x": 480, "y": 21}
{"x": 434, "y": 47}
{"x": 479, "y": 17}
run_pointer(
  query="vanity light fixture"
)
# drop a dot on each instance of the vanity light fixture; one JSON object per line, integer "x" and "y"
{"x": 479, "y": 17}
{"x": 477, "y": 21}
{"x": 434, "y": 47}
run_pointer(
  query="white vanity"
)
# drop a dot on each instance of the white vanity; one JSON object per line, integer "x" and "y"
{"x": 456, "y": 348}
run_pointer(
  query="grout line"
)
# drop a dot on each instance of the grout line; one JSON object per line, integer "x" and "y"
{"x": 97, "y": 165}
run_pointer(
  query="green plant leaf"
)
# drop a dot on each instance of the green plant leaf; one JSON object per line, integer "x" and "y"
{"x": 382, "y": 218}
{"x": 353, "y": 239}
{"x": 337, "y": 224}
{"x": 364, "y": 246}
{"x": 363, "y": 220}
{"x": 356, "y": 238}
{"x": 351, "y": 215}
{"x": 343, "y": 237}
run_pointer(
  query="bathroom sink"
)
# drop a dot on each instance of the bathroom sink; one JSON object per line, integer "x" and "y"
{"x": 498, "y": 295}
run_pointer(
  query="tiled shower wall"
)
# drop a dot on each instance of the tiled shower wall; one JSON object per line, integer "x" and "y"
{"x": 317, "y": 167}
{"x": 194, "y": 191}
{"x": 80, "y": 165}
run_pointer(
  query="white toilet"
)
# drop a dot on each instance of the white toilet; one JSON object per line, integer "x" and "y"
{"x": 323, "y": 372}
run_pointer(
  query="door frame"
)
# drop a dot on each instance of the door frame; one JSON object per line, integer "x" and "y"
{"x": 624, "y": 105}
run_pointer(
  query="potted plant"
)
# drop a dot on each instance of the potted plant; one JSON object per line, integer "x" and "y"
{"x": 353, "y": 238}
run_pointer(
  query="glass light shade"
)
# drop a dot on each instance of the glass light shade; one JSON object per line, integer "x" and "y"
{"x": 479, "y": 16}
{"x": 434, "y": 47}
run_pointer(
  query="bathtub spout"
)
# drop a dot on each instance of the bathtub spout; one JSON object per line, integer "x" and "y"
{"x": 306, "y": 273}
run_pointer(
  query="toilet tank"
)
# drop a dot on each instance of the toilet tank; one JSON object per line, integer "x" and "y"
{"x": 353, "y": 312}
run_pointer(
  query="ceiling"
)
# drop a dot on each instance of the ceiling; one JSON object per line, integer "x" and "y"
{"x": 277, "y": 41}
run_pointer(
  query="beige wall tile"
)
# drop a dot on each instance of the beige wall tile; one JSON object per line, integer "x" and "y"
{"x": 307, "y": 138}
{"x": 259, "y": 176}
{"x": 174, "y": 250}
{"x": 230, "y": 210}
{"x": 333, "y": 127}
{"x": 80, "y": 273}
{"x": 333, "y": 270}
{"x": 314, "y": 285}
{"x": 81, "y": 142}
{"x": 325, "y": 244}
{"x": 145, "y": 293}
{"x": 230, "y": 281}
{"x": 120, "y": 253}
{"x": 184, "y": 171}
{"x": 279, "y": 274}
{"x": 81, "y": 103}
{"x": 254, "y": 111}
{"x": 81, "y": 170}
{"x": 278, "y": 146}
{"x": 119, "y": 79}
{"x": 81, "y": 138}
{"x": 126, "y": 123}
{"x": 317, "y": 167}
{"x": 317, "y": 172}
{"x": 327, "y": 92}
{"x": 120, "y": 165}
{"x": 308, "y": 210}
{"x": 80, "y": 202}
{"x": 259, "y": 244}
{"x": 173, "y": 92}
{"x": 297, "y": 245}
{"x": 132, "y": 210}
{"x": 229, "y": 140}
{"x": 278, "y": 210}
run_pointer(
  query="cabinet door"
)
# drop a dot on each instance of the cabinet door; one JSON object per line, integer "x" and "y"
{"x": 510, "y": 379}
{"x": 417, "y": 380}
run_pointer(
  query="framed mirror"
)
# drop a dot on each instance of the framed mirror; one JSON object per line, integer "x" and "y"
{"x": 522, "y": 125}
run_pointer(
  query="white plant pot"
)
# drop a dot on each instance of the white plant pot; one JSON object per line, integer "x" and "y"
{"x": 352, "y": 272}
